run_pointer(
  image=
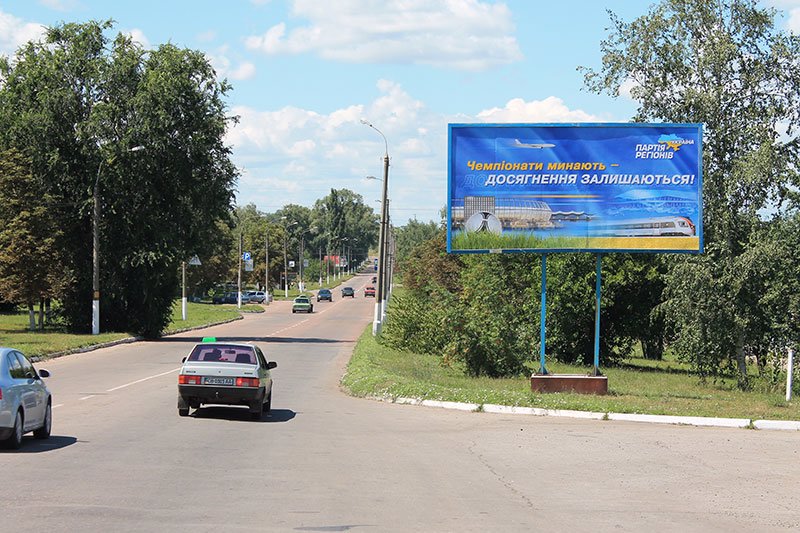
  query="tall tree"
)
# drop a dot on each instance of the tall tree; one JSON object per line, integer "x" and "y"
{"x": 80, "y": 102}
{"x": 723, "y": 64}
{"x": 30, "y": 270}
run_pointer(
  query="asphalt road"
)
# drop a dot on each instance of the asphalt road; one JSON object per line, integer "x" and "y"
{"x": 120, "y": 458}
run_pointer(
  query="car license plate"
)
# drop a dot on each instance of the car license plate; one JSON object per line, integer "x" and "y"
{"x": 217, "y": 381}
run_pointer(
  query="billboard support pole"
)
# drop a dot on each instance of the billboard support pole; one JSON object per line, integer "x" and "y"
{"x": 596, "y": 371}
{"x": 542, "y": 369}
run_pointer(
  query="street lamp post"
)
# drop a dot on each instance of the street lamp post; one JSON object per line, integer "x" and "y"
{"x": 302, "y": 252}
{"x": 194, "y": 261}
{"x": 285, "y": 261}
{"x": 376, "y": 323}
{"x": 266, "y": 265}
{"x": 96, "y": 247}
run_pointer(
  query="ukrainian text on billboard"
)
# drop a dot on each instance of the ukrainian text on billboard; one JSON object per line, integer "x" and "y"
{"x": 575, "y": 187}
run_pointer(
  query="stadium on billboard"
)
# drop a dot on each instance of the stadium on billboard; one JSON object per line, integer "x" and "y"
{"x": 575, "y": 187}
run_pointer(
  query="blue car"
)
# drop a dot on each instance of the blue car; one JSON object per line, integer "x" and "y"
{"x": 324, "y": 294}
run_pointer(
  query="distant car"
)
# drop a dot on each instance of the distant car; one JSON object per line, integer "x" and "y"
{"x": 258, "y": 297}
{"x": 348, "y": 291}
{"x": 369, "y": 290}
{"x": 302, "y": 303}
{"x": 25, "y": 402}
{"x": 226, "y": 374}
{"x": 232, "y": 298}
{"x": 324, "y": 294}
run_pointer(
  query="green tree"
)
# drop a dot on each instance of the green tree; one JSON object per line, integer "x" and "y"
{"x": 78, "y": 102}
{"x": 723, "y": 64}
{"x": 413, "y": 233}
{"x": 29, "y": 267}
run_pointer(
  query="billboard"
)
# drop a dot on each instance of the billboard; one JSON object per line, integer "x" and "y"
{"x": 574, "y": 187}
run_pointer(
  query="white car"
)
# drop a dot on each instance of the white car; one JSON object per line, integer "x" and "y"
{"x": 257, "y": 296}
{"x": 25, "y": 403}
{"x": 225, "y": 373}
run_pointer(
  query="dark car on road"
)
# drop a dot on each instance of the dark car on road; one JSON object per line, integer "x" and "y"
{"x": 348, "y": 291}
{"x": 324, "y": 294}
{"x": 227, "y": 374}
{"x": 231, "y": 298}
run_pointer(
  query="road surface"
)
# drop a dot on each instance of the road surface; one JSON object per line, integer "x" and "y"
{"x": 121, "y": 459}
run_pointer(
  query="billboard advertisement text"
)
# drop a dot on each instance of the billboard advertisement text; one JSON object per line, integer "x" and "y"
{"x": 575, "y": 187}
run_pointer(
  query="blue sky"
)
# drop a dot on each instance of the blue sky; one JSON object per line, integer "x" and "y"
{"x": 305, "y": 72}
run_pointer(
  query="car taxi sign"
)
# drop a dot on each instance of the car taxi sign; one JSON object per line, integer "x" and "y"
{"x": 209, "y": 339}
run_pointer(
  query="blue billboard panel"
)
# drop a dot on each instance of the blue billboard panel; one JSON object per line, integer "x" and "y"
{"x": 575, "y": 187}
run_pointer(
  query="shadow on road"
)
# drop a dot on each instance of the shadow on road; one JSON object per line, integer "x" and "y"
{"x": 306, "y": 340}
{"x": 32, "y": 445}
{"x": 242, "y": 414}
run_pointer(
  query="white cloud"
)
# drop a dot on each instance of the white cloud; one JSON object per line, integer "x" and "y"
{"x": 551, "y": 109}
{"x": 206, "y": 36}
{"x": 459, "y": 34}
{"x": 295, "y": 155}
{"x": 138, "y": 36}
{"x": 225, "y": 69}
{"x": 793, "y": 23}
{"x": 14, "y": 32}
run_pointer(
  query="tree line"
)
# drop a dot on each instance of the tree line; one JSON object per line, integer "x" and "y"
{"x": 85, "y": 117}
{"x": 723, "y": 64}
{"x": 337, "y": 228}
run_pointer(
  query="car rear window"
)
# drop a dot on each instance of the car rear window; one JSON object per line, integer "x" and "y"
{"x": 223, "y": 353}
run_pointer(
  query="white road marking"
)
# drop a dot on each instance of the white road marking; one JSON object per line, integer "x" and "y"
{"x": 177, "y": 369}
{"x": 143, "y": 379}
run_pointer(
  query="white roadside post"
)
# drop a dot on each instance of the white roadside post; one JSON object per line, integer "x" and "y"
{"x": 194, "y": 261}
{"x": 789, "y": 372}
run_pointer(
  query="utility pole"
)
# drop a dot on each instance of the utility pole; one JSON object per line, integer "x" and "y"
{"x": 266, "y": 265}
{"x": 239, "y": 294}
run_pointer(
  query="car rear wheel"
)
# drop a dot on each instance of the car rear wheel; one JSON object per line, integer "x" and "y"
{"x": 257, "y": 409}
{"x": 14, "y": 441}
{"x": 44, "y": 431}
{"x": 183, "y": 407}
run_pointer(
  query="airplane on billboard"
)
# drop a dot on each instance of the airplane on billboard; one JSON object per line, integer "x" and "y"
{"x": 520, "y": 144}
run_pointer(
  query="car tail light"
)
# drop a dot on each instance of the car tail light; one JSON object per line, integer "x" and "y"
{"x": 247, "y": 382}
{"x": 188, "y": 379}
{"x": 1, "y": 394}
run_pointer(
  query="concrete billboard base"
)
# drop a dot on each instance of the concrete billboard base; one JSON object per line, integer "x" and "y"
{"x": 569, "y": 383}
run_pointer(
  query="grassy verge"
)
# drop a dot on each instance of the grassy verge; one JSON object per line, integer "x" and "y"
{"x": 376, "y": 370}
{"x": 14, "y": 332}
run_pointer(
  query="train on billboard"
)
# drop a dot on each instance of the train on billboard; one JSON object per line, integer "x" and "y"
{"x": 575, "y": 187}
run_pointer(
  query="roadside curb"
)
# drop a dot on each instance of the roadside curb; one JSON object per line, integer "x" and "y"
{"x": 129, "y": 340}
{"x": 698, "y": 421}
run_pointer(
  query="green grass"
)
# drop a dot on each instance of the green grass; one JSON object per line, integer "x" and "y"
{"x": 14, "y": 329}
{"x": 666, "y": 389}
{"x": 484, "y": 240}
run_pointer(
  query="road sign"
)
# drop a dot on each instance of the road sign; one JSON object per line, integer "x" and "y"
{"x": 194, "y": 261}
{"x": 291, "y": 264}
{"x": 305, "y": 263}
{"x": 248, "y": 265}
{"x": 246, "y": 256}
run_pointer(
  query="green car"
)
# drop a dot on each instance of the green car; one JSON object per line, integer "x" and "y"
{"x": 302, "y": 303}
